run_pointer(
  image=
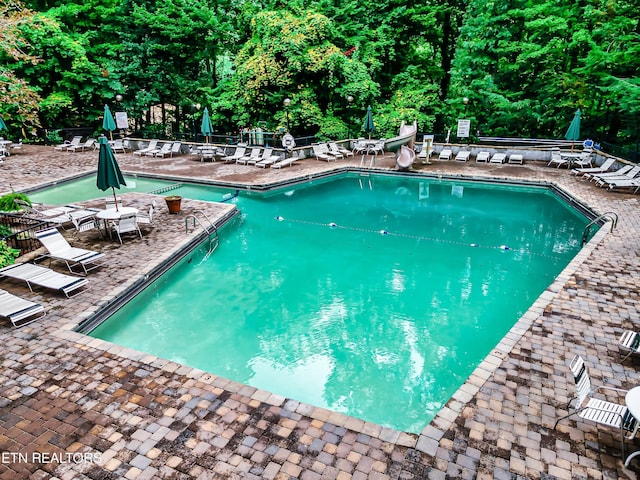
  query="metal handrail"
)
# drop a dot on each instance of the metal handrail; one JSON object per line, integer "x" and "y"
{"x": 212, "y": 230}
{"x": 611, "y": 216}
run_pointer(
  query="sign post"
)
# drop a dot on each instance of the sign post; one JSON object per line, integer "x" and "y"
{"x": 464, "y": 128}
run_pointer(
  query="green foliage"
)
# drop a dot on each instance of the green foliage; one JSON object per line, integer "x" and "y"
{"x": 7, "y": 201}
{"x": 8, "y": 255}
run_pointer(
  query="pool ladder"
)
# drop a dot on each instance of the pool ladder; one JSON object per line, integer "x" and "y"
{"x": 211, "y": 230}
{"x": 611, "y": 216}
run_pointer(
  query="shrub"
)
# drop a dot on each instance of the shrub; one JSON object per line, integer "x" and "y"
{"x": 8, "y": 255}
{"x": 8, "y": 204}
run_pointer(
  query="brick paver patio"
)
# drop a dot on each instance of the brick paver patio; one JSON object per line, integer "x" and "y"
{"x": 76, "y": 407}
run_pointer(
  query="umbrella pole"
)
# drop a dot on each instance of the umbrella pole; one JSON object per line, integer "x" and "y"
{"x": 115, "y": 199}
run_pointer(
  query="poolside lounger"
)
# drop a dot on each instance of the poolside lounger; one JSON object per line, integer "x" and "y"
{"x": 74, "y": 141}
{"x": 463, "y": 156}
{"x": 17, "y": 309}
{"x": 153, "y": 144}
{"x": 321, "y": 152}
{"x": 482, "y": 157}
{"x": 632, "y": 183}
{"x": 90, "y": 143}
{"x": 602, "y": 180}
{"x": 43, "y": 277}
{"x": 609, "y": 173}
{"x": 59, "y": 249}
{"x": 285, "y": 162}
{"x": 621, "y": 172}
{"x": 251, "y": 158}
{"x": 267, "y": 155}
{"x": 594, "y": 170}
{"x": 516, "y": 158}
{"x": 498, "y": 158}
{"x": 341, "y": 150}
{"x": 445, "y": 154}
{"x": 239, "y": 153}
{"x": 334, "y": 150}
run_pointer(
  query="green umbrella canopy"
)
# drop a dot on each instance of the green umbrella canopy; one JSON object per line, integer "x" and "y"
{"x": 108, "y": 123}
{"x": 573, "y": 133}
{"x": 206, "y": 127}
{"x": 109, "y": 174}
{"x": 369, "y": 126}
{"x": 3, "y": 126}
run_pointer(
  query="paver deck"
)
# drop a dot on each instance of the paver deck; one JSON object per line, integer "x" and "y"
{"x": 77, "y": 407}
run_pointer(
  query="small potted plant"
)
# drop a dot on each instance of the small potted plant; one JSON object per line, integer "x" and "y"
{"x": 173, "y": 203}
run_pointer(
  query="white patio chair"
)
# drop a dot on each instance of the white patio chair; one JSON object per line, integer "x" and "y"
{"x": 598, "y": 410}
{"x": 126, "y": 224}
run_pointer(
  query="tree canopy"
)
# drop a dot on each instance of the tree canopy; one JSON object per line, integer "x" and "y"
{"x": 525, "y": 66}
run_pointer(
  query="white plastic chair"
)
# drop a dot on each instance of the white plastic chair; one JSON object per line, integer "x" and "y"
{"x": 598, "y": 410}
{"x": 126, "y": 224}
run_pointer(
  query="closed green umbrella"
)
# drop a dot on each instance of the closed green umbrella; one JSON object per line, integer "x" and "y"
{"x": 206, "y": 127}
{"x": 108, "y": 123}
{"x": 3, "y": 126}
{"x": 369, "y": 126}
{"x": 109, "y": 174}
{"x": 573, "y": 133}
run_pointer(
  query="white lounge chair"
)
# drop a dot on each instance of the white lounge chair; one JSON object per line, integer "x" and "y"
{"x": 598, "y": 410}
{"x": 463, "y": 156}
{"x": 321, "y": 152}
{"x": 341, "y": 150}
{"x": 89, "y": 144}
{"x": 126, "y": 224}
{"x": 59, "y": 249}
{"x": 611, "y": 173}
{"x": 267, "y": 159}
{"x": 74, "y": 141}
{"x": 498, "y": 158}
{"x": 44, "y": 277}
{"x": 118, "y": 146}
{"x": 594, "y": 170}
{"x": 162, "y": 150}
{"x": 17, "y": 309}
{"x": 239, "y": 153}
{"x": 253, "y": 156}
{"x": 483, "y": 157}
{"x": 335, "y": 151}
{"x": 285, "y": 162}
{"x": 632, "y": 183}
{"x": 153, "y": 144}
{"x": 445, "y": 154}
{"x": 603, "y": 179}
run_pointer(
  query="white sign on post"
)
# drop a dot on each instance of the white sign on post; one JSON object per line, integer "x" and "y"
{"x": 464, "y": 128}
{"x": 122, "y": 121}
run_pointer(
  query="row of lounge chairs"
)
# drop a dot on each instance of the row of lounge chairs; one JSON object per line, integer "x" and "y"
{"x": 155, "y": 150}
{"x": 625, "y": 177}
{"x": 20, "y": 311}
{"x": 254, "y": 156}
{"x": 330, "y": 152}
{"x": 76, "y": 145}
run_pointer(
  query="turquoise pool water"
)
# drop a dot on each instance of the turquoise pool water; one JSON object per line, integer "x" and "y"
{"x": 85, "y": 189}
{"x": 375, "y": 297}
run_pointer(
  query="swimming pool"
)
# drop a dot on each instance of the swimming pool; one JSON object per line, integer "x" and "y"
{"x": 375, "y": 297}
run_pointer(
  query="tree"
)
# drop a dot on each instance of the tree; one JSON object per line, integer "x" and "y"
{"x": 18, "y": 99}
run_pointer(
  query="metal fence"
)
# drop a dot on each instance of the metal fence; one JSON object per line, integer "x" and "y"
{"x": 19, "y": 231}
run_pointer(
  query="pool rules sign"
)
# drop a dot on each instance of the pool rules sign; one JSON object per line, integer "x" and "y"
{"x": 464, "y": 127}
